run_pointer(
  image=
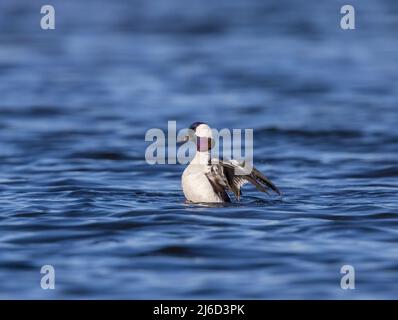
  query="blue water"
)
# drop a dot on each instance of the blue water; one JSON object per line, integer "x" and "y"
{"x": 76, "y": 192}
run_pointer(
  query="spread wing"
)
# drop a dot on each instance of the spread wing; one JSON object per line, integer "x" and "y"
{"x": 231, "y": 175}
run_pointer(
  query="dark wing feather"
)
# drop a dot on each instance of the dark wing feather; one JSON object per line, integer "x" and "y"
{"x": 263, "y": 180}
{"x": 219, "y": 182}
{"x": 223, "y": 175}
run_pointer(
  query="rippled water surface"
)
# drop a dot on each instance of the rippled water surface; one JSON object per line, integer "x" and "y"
{"x": 76, "y": 192}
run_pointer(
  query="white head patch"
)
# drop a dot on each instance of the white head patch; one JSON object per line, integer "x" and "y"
{"x": 203, "y": 130}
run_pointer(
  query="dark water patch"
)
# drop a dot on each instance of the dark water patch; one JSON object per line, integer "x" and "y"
{"x": 101, "y": 155}
{"x": 120, "y": 225}
{"x": 174, "y": 251}
{"x": 306, "y": 88}
{"x": 55, "y": 238}
{"x": 384, "y": 172}
{"x": 308, "y": 133}
{"x": 17, "y": 266}
{"x": 33, "y": 111}
{"x": 176, "y": 26}
{"x": 383, "y": 215}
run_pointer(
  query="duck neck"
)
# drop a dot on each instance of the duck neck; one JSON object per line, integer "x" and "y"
{"x": 201, "y": 157}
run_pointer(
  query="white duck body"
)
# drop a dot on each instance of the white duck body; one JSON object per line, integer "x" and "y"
{"x": 195, "y": 184}
{"x": 208, "y": 181}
